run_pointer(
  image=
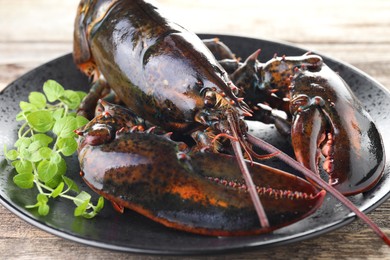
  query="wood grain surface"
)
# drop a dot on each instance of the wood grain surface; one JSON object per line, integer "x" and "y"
{"x": 357, "y": 32}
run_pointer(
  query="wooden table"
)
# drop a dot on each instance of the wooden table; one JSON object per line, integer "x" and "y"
{"x": 358, "y": 32}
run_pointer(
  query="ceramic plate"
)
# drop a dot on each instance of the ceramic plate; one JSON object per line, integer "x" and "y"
{"x": 134, "y": 233}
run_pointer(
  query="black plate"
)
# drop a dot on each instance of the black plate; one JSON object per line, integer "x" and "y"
{"x": 134, "y": 233}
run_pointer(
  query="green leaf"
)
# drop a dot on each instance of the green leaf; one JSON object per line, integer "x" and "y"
{"x": 43, "y": 209}
{"x": 37, "y": 99}
{"x": 82, "y": 197}
{"x": 23, "y": 167}
{"x": 71, "y": 99}
{"x": 46, "y": 170}
{"x": 25, "y": 154}
{"x": 72, "y": 114}
{"x": 42, "y": 198}
{"x": 34, "y": 146}
{"x": 55, "y": 158}
{"x": 41, "y": 204}
{"x": 99, "y": 205}
{"x": 71, "y": 184}
{"x": 27, "y": 107}
{"x": 80, "y": 209}
{"x": 23, "y": 142}
{"x": 58, "y": 113}
{"x": 12, "y": 155}
{"x": 57, "y": 178}
{"x": 40, "y": 121}
{"x": 43, "y": 139}
{"x": 64, "y": 127}
{"x": 53, "y": 90}
{"x": 81, "y": 121}
{"x": 89, "y": 215}
{"x": 24, "y": 180}
{"x": 81, "y": 94}
{"x": 20, "y": 116}
{"x": 96, "y": 209}
{"x": 57, "y": 190}
{"x": 61, "y": 165}
{"x": 45, "y": 152}
{"x": 67, "y": 146}
{"x": 34, "y": 157}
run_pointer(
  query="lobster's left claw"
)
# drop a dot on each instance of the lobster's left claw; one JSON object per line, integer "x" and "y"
{"x": 197, "y": 192}
{"x": 333, "y": 124}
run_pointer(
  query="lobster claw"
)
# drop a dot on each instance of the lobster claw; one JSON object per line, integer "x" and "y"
{"x": 286, "y": 198}
{"x": 340, "y": 131}
{"x": 197, "y": 192}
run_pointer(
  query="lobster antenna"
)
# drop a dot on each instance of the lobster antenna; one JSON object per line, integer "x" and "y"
{"x": 247, "y": 176}
{"x": 320, "y": 182}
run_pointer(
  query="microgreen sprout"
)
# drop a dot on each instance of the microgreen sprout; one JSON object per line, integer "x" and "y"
{"x": 45, "y": 137}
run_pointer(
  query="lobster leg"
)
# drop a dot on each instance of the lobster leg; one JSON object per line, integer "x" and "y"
{"x": 98, "y": 90}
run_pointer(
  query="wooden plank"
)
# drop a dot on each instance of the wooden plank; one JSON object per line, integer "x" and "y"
{"x": 297, "y": 21}
{"x": 36, "y": 244}
{"x": 357, "y": 32}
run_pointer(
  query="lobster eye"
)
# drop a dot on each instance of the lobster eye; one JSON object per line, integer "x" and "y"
{"x": 210, "y": 99}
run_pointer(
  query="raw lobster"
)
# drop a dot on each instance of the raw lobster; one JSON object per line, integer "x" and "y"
{"x": 168, "y": 77}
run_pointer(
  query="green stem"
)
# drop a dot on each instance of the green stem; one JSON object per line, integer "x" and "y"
{"x": 40, "y": 185}
{"x": 54, "y": 106}
{"x": 36, "y": 180}
{"x": 21, "y": 130}
{"x": 66, "y": 110}
{"x": 75, "y": 199}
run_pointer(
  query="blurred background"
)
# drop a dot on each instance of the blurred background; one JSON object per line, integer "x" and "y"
{"x": 28, "y": 38}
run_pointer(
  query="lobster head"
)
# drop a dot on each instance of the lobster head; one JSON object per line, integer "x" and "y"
{"x": 217, "y": 107}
